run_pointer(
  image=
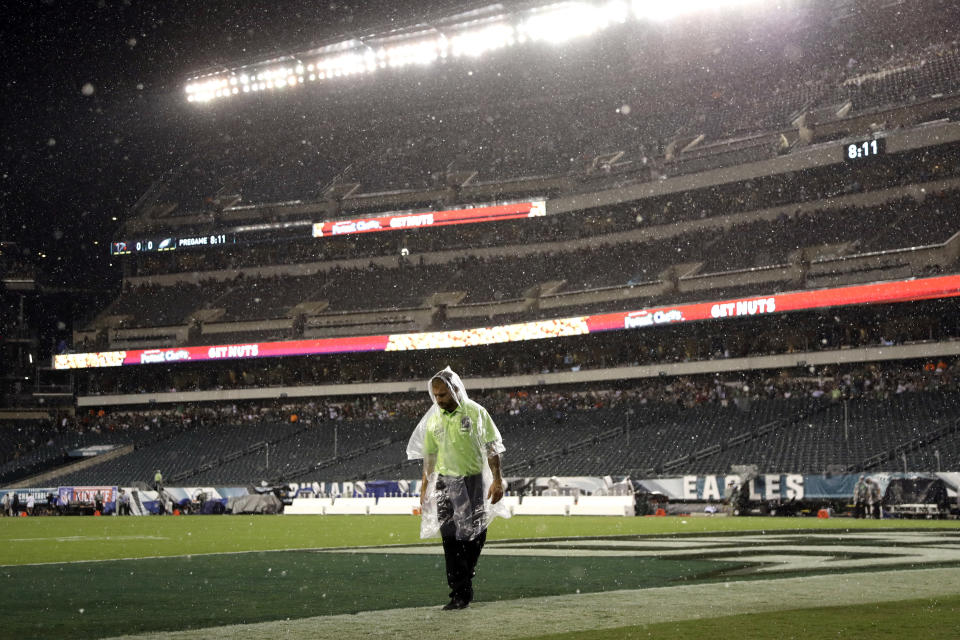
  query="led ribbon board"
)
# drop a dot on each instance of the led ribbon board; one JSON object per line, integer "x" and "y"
{"x": 879, "y": 293}
{"x": 425, "y": 219}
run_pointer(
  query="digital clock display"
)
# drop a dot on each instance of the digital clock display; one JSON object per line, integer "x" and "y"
{"x": 151, "y": 245}
{"x": 866, "y": 149}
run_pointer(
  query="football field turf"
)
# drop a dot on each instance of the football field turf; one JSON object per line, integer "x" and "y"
{"x": 345, "y": 576}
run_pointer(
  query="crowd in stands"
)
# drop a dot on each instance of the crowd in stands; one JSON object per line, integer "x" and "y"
{"x": 402, "y": 137}
{"x": 792, "y": 333}
{"x": 30, "y": 446}
{"x": 797, "y": 187}
{"x": 899, "y": 223}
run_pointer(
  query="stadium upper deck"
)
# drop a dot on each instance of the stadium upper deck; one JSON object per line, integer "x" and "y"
{"x": 643, "y": 91}
{"x": 820, "y": 227}
{"x": 785, "y": 213}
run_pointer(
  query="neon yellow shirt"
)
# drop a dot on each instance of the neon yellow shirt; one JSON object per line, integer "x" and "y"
{"x": 459, "y": 438}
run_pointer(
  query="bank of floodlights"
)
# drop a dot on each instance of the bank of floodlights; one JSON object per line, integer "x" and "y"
{"x": 551, "y": 24}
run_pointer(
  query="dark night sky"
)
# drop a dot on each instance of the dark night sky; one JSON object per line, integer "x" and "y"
{"x": 74, "y": 158}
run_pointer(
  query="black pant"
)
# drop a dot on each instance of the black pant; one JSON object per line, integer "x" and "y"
{"x": 461, "y": 555}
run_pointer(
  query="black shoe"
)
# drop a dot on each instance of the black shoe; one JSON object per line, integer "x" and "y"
{"x": 456, "y": 603}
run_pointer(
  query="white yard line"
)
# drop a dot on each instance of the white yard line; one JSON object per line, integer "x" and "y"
{"x": 384, "y": 549}
{"x": 86, "y": 538}
{"x": 772, "y": 558}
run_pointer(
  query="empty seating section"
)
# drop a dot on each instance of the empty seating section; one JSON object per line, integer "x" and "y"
{"x": 941, "y": 454}
{"x": 824, "y": 438}
{"x": 799, "y": 435}
{"x": 160, "y": 306}
{"x": 344, "y": 448}
{"x": 32, "y": 451}
{"x": 365, "y": 446}
{"x": 201, "y": 445}
{"x": 262, "y": 298}
{"x": 935, "y": 73}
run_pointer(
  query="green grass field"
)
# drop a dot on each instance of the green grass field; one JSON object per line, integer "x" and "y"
{"x": 938, "y": 618}
{"x": 104, "y": 577}
{"x": 34, "y": 540}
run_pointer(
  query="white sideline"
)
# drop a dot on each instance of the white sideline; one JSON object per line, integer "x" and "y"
{"x": 583, "y": 612}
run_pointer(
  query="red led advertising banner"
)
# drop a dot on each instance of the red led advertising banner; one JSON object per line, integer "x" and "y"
{"x": 425, "y": 219}
{"x": 883, "y": 292}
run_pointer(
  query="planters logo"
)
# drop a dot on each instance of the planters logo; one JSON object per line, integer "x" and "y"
{"x": 637, "y": 319}
{"x": 151, "y": 356}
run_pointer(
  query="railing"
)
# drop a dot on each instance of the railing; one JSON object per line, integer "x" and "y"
{"x": 913, "y": 444}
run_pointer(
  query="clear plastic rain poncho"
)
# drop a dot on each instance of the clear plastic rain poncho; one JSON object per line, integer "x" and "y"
{"x": 457, "y": 503}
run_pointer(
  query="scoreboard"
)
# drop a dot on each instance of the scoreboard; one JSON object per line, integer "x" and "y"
{"x": 170, "y": 243}
{"x": 640, "y": 319}
{"x": 860, "y": 152}
{"x": 394, "y": 221}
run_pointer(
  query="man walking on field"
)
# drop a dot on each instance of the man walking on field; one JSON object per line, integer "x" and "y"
{"x": 460, "y": 447}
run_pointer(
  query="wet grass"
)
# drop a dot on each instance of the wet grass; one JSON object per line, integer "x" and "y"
{"x": 930, "y": 619}
{"x": 99, "y": 577}
{"x": 102, "y": 599}
{"x": 35, "y": 540}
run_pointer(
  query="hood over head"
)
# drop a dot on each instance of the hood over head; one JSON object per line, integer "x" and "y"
{"x": 453, "y": 382}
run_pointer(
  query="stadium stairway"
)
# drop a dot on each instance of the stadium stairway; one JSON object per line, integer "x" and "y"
{"x": 918, "y": 452}
{"x": 229, "y": 464}
{"x": 49, "y": 478}
{"x": 779, "y": 435}
{"x": 185, "y": 450}
{"x": 368, "y": 447}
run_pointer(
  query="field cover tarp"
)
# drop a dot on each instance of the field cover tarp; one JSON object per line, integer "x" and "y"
{"x": 920, "y": 490}
{"x": 257, "y": 503}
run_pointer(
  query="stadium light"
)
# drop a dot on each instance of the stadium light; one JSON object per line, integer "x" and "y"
{"x": 475, "y": 42}
{"x": 663, "y": 10}
{"x": 567, "y": 21}
{"x": 422, "y": 46}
